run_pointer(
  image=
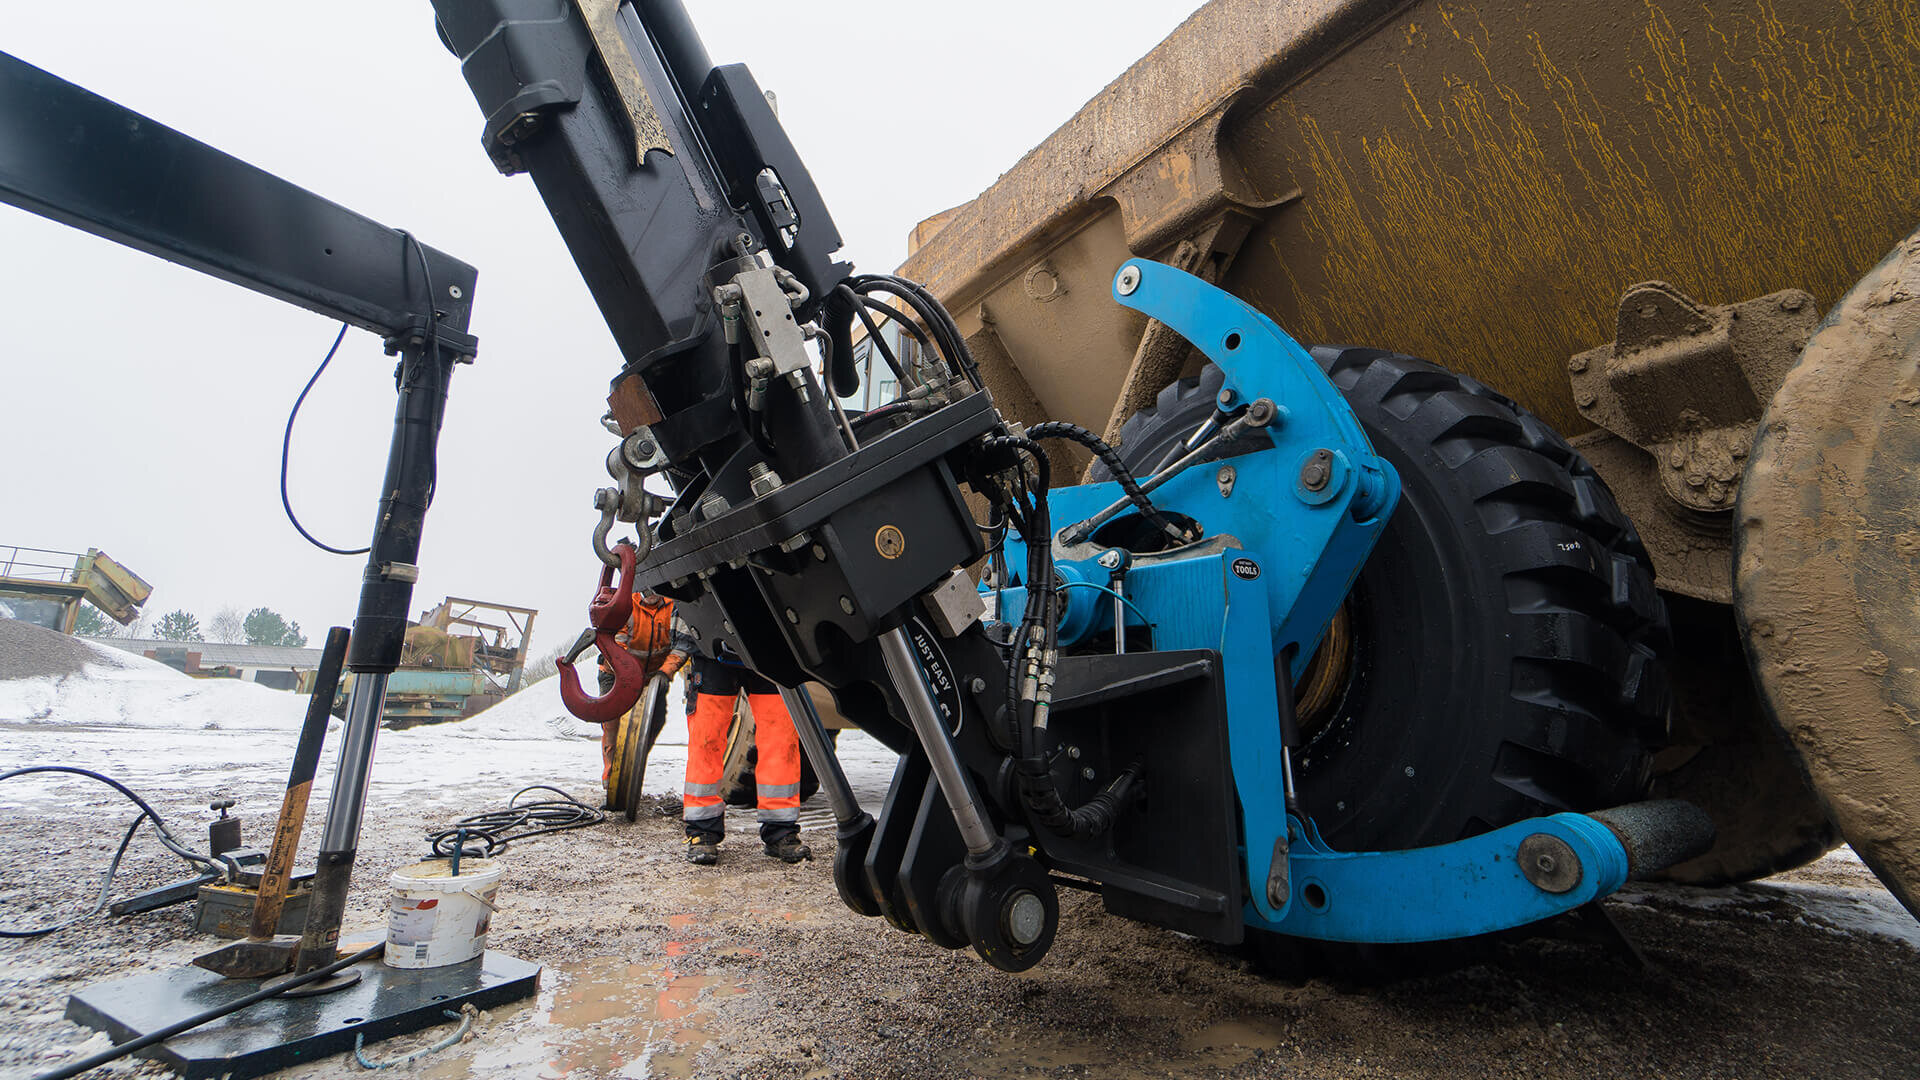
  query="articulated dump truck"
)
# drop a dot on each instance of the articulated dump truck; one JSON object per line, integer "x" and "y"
{"x": 1658, "y": 265}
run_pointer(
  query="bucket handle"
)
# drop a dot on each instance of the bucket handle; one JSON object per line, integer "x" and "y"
{"x": 484, "y": 902}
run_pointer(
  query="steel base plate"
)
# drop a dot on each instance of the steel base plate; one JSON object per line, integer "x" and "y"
{"x": 280, "y": 1033}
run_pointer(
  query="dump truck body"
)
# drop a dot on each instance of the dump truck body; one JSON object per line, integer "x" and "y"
{"x": 1471, "y": 183}
{"x": 1628, "y": 218}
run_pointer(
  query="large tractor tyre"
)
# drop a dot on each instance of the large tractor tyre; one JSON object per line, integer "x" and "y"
{"x": 1827, "y": 565}
{"x": 633, "y": 739}
{"x": 1500, "y": 655}
{"x": 1726, "y": 757}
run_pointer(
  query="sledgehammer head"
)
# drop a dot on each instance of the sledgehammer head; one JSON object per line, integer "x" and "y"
{"x": 252, "y": 958}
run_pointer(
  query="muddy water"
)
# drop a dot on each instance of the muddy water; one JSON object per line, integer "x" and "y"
{"x": 605, "y": 1017}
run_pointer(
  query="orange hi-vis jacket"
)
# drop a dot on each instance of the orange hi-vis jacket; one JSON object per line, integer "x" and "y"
{"x": 648, "y": 635}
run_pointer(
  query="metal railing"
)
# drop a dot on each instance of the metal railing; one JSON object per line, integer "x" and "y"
{"x": 22, "y": 564}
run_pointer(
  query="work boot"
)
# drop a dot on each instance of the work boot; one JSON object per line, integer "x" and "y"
{"x": 789, "y": 849}
{"x": 703, "y": 850}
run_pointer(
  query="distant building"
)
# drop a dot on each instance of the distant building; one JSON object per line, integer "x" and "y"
{"x": 277, "y": 666}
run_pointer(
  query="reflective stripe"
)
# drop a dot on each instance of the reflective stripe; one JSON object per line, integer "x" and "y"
{"x": 791, "y": 813}
{"x": 702, "y": 789}
{"x": 703, "y": 813}
{"x": 777, "y": 791}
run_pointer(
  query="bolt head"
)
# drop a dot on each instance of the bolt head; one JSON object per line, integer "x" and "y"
{"x": 1128, "y": 281}
{"x": 1549, "y": 863}
{"x": 1087, "y": 773}
{"x": 1318, "y": 471}
{"x": 1109, "y": 559}
{"x": 793, "y": 617}
{"x": 846, "y": 605}
{"x": 978, "y": 685}
{"x": 1227, "y": 398}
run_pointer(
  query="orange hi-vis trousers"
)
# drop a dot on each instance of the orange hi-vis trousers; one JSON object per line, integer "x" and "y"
{"x": 776, "y": 770}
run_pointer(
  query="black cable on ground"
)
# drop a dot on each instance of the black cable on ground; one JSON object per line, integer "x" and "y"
{"x": 147, "y": 813}
{"x": 75, "y": 1068}
{"x": 493, "y": 830}
{"x": 1060, "y": 429}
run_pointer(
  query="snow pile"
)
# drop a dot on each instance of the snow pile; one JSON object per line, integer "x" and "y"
{"x": 1837, "y": 894}
{"x": 118, "y": 689}
{"x": 537, "y": 712}
{"x": 1856, "y": 911}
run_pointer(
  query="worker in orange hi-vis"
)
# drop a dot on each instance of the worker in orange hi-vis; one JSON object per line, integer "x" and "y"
{"x": 649, "y": 636}
{"x": 716, "y": 684}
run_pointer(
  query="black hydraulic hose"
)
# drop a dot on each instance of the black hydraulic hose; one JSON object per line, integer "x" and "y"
{"x": 1060, "y": 429}
{"x": 1034, "y": 526}
{"x": 1051, "y": 811}
{"x": 101, "y": 901}
{"x": 1033, "y": 770}
{"x": 946, "y": 327}
{"x": 873, "y": 335}
{"x": 75, "y": 1068}
{"x": 147, "y": 813}
{"x": 900, "y": 320}
{"x": 493, "y": 830}
{"x": 952, "y": 345}
{"x": 286, "y": 450}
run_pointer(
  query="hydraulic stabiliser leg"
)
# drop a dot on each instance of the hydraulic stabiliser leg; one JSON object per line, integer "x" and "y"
{"x": 1000, "y": 899}
{"x": 379, "y": 631}
{"x": 904, "y": 668}
{"x": 853, "y": 834}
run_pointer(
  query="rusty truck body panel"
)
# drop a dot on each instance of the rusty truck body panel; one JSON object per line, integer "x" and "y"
{"x": 1627, "y": 217}
{"x": 1472, "y": 183}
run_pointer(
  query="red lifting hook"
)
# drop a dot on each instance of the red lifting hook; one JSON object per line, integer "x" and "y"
{"x": 607, "y": 614}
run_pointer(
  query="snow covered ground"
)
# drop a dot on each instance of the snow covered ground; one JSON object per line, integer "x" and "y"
{"x": 186, "y": 741}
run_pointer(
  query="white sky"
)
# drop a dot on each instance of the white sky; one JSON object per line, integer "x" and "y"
{"x": 142, "y": 404}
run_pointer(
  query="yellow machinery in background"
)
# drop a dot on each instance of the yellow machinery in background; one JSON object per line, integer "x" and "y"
{"x": 46, "y": 587}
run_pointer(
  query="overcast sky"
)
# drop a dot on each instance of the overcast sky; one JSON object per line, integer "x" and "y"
{"x": 141, "y": 404}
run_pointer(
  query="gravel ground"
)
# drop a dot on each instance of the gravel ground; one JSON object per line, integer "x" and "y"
{"x": 753, "y": 969}
{"x": 26, "y": 649}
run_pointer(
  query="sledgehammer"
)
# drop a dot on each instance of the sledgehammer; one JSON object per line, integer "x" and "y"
{"x": 263, "y": 952}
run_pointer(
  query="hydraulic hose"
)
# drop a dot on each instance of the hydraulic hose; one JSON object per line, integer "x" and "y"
{"x": 1051, "y": 811}
{"x": 1036, "y": 644}
{"x": 114, "y": 1053}
{"x": 147, "y": 813}
{"x": 1060, "y": 429}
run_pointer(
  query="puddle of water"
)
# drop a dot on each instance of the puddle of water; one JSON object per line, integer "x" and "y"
{"x": 610, "y": 1017}
{"x": 1233, "y": 1042}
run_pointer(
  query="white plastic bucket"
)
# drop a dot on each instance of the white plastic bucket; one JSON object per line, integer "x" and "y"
{"x": 434, "y": 918}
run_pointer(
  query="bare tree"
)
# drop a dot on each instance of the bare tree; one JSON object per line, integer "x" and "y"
{"x": 227, "y": 625}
